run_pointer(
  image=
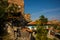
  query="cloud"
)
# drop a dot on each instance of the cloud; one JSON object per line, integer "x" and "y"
{"x": 49, "y": 10}
{"x": 49, "y": 13}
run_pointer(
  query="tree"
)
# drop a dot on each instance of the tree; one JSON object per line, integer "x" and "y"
{"x": 41, "y": 32}
{"x": 43, "y": 20}
{"x": 38, "y": 22}
{"x": 3, "y": 6}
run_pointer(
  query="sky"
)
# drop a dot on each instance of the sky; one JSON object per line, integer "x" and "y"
{"x": 48, "y": 8}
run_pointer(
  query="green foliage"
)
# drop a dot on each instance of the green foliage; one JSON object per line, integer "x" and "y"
{"x": 3, "y": 6}
{"x": 43, "y": 20}
{"x": 41, "y": 33}
{"x": 1, "y": 12}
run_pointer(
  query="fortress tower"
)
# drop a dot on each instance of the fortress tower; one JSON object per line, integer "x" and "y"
{"x": 20, "y": 4}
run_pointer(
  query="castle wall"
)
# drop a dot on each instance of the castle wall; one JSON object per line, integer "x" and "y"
{"x": 20, "y": 4}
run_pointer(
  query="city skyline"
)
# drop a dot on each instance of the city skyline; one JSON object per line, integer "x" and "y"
{"x": 48, "y": 8}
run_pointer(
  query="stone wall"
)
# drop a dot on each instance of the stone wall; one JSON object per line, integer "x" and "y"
{"x": 20, "y": 4}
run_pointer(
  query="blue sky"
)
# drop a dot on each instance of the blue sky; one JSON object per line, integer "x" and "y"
{"x": 48, "y": 8}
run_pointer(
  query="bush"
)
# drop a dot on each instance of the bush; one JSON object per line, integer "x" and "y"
{"x": 41, "y": 33}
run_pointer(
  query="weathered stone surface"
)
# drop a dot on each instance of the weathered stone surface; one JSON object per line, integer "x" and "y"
{"x": 20, "y": 4}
